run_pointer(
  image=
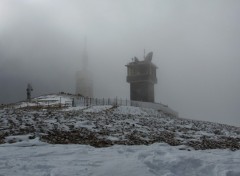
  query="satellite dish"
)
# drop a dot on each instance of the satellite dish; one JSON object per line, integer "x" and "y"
{"x": 136, "y": 59}
{"x": 149, "y": 57}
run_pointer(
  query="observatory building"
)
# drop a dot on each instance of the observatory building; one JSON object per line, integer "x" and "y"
{"x": 142, "y": 76}
{"x": 84, "y": 83}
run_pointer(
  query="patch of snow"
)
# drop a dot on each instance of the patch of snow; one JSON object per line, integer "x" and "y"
{"x": 129, "y": 110}
{"x": 84, "y": 124}
{"x": 97, "y": 109}
{"x": 36, "y": 158}
{"x": 22, "y": 141}
{"x": 75, "y": 108}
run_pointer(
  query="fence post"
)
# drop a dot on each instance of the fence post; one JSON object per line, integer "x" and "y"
{"x": 60, "y": 102}
{"x": 73, "y": 102}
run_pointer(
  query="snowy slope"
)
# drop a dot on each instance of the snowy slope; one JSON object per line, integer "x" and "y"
{"x": 119, "y": 141}
{"x": 32, "y": 157}
{"x": 102, "y": 126}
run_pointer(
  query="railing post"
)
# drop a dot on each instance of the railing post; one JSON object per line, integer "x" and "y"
{"x": 73, "y": 102}
{"x": 60, "y": 102}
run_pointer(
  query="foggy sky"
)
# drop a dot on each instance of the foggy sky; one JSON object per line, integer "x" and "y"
{"x": 195, "y": 44}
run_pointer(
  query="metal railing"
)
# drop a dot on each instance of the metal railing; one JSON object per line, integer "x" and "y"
{"x": 81, "y": 101}
{"x": 84, "y": 101}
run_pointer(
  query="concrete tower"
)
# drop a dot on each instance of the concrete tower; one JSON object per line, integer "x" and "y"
{"x": 142, "y": 77}
{"x": 84, "y": 83}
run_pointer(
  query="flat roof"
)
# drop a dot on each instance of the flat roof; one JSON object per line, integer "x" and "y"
{"x": 137, "y": 63}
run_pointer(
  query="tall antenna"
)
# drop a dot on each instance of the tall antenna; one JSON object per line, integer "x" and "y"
{"x": 85, "y": 43}
{"x": 85, "y": 54}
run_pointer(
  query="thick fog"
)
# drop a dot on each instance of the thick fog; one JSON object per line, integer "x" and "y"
{"x": 195, "y": 44}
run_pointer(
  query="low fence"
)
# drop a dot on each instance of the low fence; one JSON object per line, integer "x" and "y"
{"x": 81, "y": 101}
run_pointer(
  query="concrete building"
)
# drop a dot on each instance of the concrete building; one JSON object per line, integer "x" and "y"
{"x": 142, "y": 76}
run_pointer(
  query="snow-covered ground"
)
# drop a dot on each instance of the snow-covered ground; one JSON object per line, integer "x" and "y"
{"x": 46, "y": 100}
{"x": 120, "y": 132}
{"x": 35, "y": 158}
{"x": 103, "y": 126}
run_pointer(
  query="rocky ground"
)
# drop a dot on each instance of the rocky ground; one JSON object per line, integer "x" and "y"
{"x": 103, "y": 126}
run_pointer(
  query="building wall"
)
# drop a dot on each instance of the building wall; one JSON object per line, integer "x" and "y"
{"x": 142, "y": 91}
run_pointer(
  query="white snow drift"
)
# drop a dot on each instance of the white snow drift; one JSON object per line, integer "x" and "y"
{"x": 35, "y": 158}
